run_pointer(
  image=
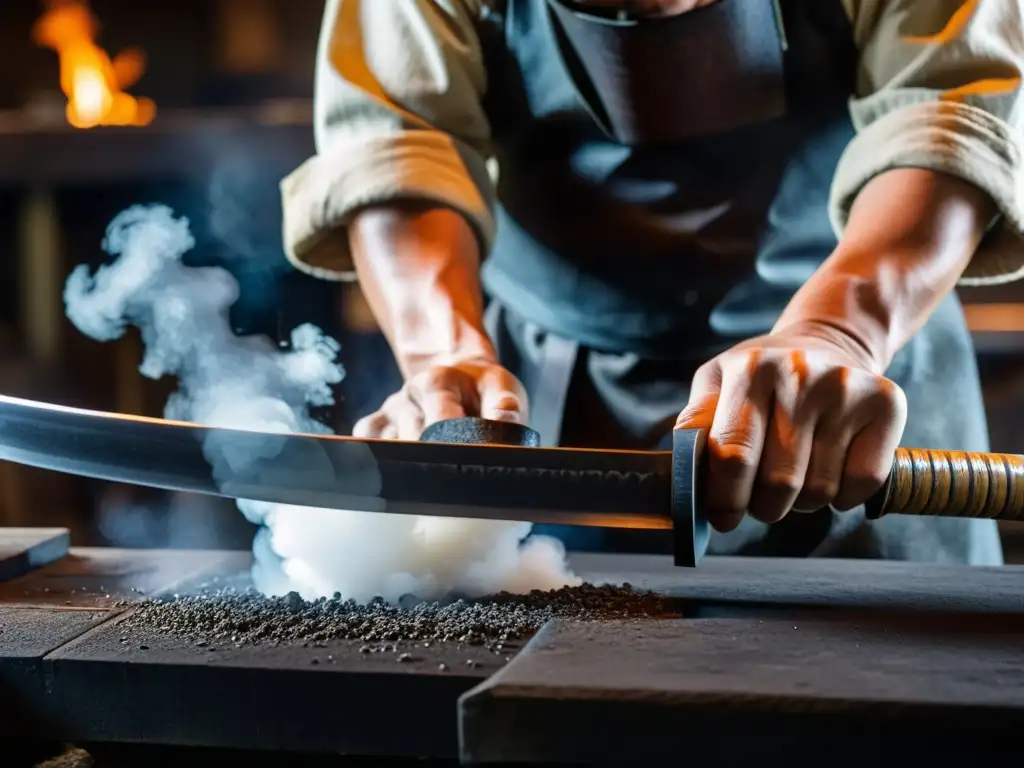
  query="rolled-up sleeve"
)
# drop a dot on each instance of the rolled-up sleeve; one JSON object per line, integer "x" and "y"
{"x": 398, "y": 116}
{"x": 939, "y": 87}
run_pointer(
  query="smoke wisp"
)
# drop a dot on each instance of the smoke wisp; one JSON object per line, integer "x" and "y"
{"x": 225, "y": 380}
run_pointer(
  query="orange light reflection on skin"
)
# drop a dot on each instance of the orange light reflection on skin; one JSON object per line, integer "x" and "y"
{"x": 93, "y": 82}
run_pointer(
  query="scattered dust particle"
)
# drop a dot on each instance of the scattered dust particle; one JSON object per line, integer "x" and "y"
{"x": 72, "y": 757}
{"x": 247, "y": 617}
{"x": 443, "y": 667}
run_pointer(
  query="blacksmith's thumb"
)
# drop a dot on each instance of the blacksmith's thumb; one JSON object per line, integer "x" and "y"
{"x": 699, "y": 413}
{"x": 503, "y": 403}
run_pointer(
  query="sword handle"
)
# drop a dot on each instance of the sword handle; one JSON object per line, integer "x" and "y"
{"x": 952, "y": 484}
{"x": 471, "y": 430}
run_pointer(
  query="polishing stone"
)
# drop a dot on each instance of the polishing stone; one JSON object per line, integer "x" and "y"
{"x": 475, "y": 431}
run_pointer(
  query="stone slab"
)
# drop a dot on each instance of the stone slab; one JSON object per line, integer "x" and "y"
{"x": 149, "y": 686}
{"x": 25, "y": 549}
{"x": 27, "y": 634}
{"x": 855, "y": 684}
{"x": 816, "y": 582}
{"x": 152, "y": 687}
{"x": 44, "y": 609}
{"x": 174, "y": 692}
{"x": 155, "y": 688}
{"x": 99, "y": 577}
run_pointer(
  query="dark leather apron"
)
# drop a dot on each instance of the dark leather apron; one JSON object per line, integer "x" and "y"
{"x": 662, "y": 81}
{"x": 634, "y": 246}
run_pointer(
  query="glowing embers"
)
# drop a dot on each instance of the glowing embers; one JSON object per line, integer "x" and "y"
{"x": 93, "y": 82}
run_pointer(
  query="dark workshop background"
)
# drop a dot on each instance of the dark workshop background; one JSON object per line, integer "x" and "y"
{"x": 232, "y": 81}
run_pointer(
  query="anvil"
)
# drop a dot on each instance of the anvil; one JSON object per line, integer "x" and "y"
{"x": 469, "y": 468}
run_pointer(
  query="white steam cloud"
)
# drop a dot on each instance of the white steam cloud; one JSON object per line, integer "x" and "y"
{"x": 248, "y": 383}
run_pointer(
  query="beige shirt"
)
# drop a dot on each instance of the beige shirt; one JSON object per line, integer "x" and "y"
{"x": 398, "y": 115}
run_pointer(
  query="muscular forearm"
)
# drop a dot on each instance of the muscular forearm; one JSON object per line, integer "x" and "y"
{"x": 419, "y": 268}
{"x": 910, "y": 235}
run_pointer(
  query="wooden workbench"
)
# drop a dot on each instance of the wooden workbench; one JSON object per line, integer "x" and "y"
{"x": 771, "y": 656}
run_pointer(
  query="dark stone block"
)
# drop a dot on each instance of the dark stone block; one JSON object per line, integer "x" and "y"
{"x": 45, "y": 609}
{"x": 100, "y": 578}
{"x": 23, "y": 550}
{"x": 748, "y": 690}
{"x": 153, "y": 687}
{"x": 881, "y": 652}
{"x": 26, "y": 636}
{"x": 885, "y": 584}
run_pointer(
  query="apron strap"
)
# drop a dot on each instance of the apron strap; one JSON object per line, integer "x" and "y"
{"x": 543, "y": 361}
{"x": 551, "y": 387}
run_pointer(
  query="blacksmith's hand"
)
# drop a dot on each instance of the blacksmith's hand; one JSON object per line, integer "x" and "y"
{"x": 798, "y": 419}
{"x": 473, "y": 387}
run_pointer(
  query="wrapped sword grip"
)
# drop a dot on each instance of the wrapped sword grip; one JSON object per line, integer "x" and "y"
{"x": 952, "y": 484}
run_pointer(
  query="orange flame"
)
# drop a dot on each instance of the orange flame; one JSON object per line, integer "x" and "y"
{"x": 93, "y": 82}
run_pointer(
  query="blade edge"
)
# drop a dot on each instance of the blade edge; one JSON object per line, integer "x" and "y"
{"x": 559, "y": 486}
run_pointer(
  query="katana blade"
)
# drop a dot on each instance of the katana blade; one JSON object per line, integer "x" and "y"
{"x": 610, "y": 489}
